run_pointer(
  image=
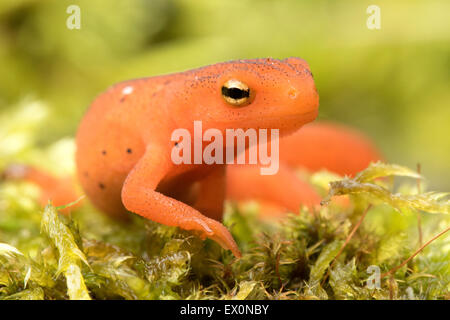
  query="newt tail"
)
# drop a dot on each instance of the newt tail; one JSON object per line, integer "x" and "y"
{"x": 60, "y": 190}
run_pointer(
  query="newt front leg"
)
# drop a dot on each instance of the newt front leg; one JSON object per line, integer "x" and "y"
{"x": 139, "y": 195}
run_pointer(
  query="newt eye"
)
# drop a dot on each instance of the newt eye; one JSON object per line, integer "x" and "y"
{"x": 236, "y": 93}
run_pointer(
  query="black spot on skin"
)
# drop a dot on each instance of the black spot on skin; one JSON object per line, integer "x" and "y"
{"x": 104, "y": 152}
{"x": 129, "y": 150}
{"x": 86, "y": 174}
{"x": 122, "y": 99}
{"x": 101, "y": 186}
{"x": 176, "y": 144}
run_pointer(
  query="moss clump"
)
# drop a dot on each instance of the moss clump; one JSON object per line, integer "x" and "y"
{"x": 44, "y": 255}
{"x": 329, "y": 253}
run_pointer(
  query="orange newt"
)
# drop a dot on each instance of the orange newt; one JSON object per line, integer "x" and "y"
{"x": 124, "y": 148}
{"x": 124, "y": 144}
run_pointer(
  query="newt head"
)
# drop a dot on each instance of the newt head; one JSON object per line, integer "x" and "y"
{"x": 258, "y": 93}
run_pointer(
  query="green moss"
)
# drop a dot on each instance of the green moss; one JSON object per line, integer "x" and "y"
{"x": 285, "y": 260}
{"x": 44, "y": 255}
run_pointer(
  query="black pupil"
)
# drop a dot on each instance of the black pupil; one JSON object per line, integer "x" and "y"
{"x": 235, "y": 93}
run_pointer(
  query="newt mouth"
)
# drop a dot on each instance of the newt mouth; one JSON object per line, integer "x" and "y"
{"x": 288, "y": 121}
{"x": 274, "y": 122}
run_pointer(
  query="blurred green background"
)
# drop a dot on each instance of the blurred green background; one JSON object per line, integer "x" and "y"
{"x": 392, "y": 83}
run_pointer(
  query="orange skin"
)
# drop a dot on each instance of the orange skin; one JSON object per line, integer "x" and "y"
{"x": 124, "y": 140}
{"x": 316, "y": 146}
{"x": 326, "y": 145}
{"x": 284, "y": 190}
{"x": 124, "y": 146}
{"x": 61, "y": 191}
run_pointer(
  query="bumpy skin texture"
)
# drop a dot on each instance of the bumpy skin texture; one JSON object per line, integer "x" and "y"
{"x": 331, "y": 146}
{"x": 316, "y": 146}
{"x": 279, "y": 193}
{"x": 124, "y": 140}
{"x": 123, "y": 146}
